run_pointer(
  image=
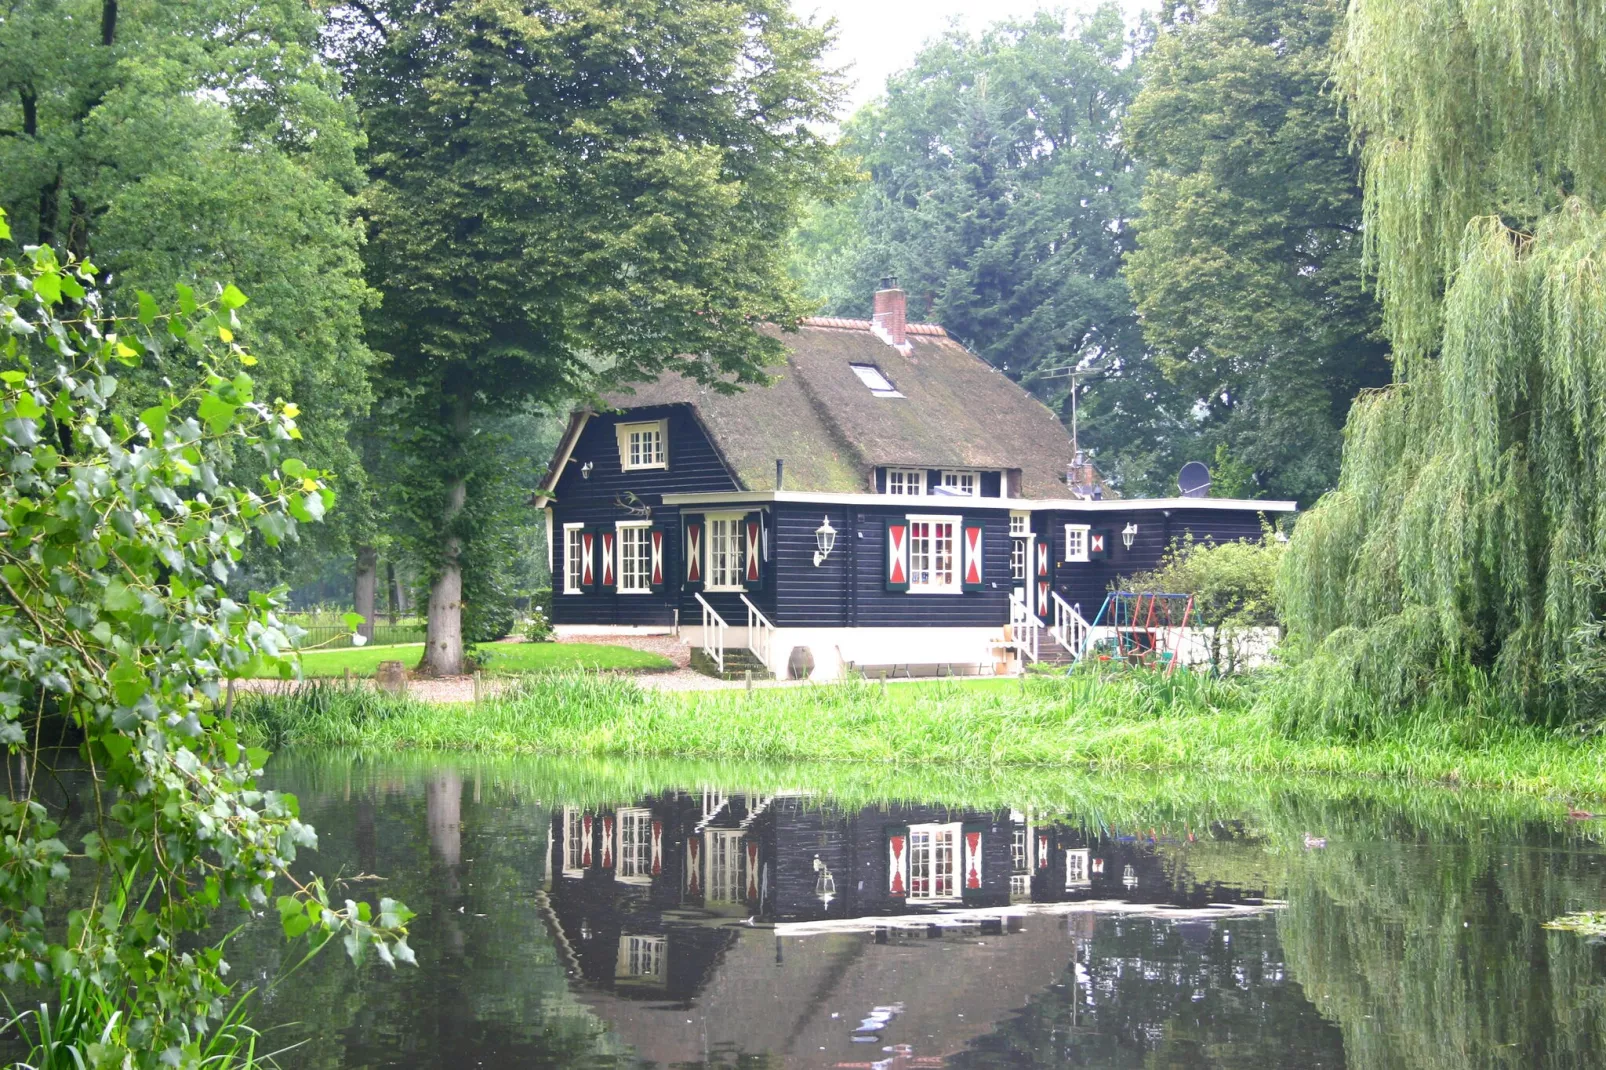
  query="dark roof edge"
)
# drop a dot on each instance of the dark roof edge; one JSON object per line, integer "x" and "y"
{"x": 560, "y": 456}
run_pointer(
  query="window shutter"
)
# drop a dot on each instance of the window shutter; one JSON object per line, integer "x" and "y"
{"x": 609, "y": 559}
{"x": 693, "y": 544}
{"x": 1098, "y": 544}
{"x": 970, "y": 555}
{"x": 753, "y": 551}
{"x": 897, "y": 554}
{"x": 588, "y": 560}
{"x": 607, "y": 841}
{"x": 970, "y": 883}
{"x": 658, "y": 566}
{"x": 1044, "y": 579}
{"x": 898, "y": 861}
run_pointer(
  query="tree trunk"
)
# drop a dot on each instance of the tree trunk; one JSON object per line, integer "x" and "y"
{"x": 367, "y": 582}
{"x": 443, "y": 627}
{"x": 393, "y": 595}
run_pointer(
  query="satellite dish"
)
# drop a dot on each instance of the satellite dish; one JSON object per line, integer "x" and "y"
{"x": 1194, "y": 480}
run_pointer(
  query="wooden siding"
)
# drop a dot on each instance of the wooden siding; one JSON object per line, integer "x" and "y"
{"x": 849, "y": 588}
{"x": 1086, "y": 583}
{"x": 694, "y": 465}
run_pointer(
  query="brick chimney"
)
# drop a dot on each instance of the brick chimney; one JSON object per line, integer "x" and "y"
{"x": 891, "y": 313}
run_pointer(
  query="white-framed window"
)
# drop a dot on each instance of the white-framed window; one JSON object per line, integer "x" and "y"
{"x": 724, "y": 539}
{"x": 635, "y": 557}
{"x": 1019, "y": 860}
{"x": 1078, "y": 874}
{"x": 964, "y": 484}
{"x": 1017, "y": 558}
{"x": 573, "y": 559}
{"x": 933, "y": 554}
{"x": 722, "y": 855}
{"x": 872, "y": 377}
{"x": 933, "y": 861}
{"x": 574, "y": 844}
{"x": 1020, "y": 525}
{"x": 1076, "y": 542}
{"x": 906, "y": 481}
{"x": 632, "y": 857}
{"x": 643, "y": 445}
{"x": 643, "y": 957}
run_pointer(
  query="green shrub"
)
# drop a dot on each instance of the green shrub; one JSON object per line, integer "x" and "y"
{"x": 1233, "y": 585}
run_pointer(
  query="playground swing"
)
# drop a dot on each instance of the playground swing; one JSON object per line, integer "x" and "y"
{"x": 1146, "y": 627}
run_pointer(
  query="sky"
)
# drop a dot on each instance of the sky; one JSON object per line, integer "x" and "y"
{"x": 877, "y": 37}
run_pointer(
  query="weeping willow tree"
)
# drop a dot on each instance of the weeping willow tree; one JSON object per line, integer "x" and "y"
{"x": 1445, "y": 565}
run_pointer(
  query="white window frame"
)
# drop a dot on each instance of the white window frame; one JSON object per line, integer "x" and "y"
{"x": 644, "y": 586}
{"x": 724, "y": 865}
{"x": 911, "y": 482}
{"x": 1076, "y": 547}
{"x": 657, "y": 457}
{"x": 1018, "y": 565}
{"x": 1020, "y": 524}
{"x": 951, "y": 585}
{"x": 574, "y": 846}
{"x": 939, "y": 839}
{"x": 968, "y": 483}
{"x": 875, "y": 380}
{"x": 732, "y": 523}
{"x": 573, "y": 566}
{"x": 1078, "y": 869}
{"x": 644, "y": 957}
{"x": 632, "y": 868}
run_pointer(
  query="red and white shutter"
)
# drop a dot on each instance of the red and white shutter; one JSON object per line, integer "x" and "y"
{"x": 694, "y": 552}
{"x": 752, "y": 870}
{"x": 694, "y": 865}
{"x": 752, "y": 551}
{"x": 607, "y": 842}
{"x": 1044, "y": 579}
{"x": 585, "y": 843}
{"x": 1098, "y": 544}
{"x": 608, "y": 540}
{"x": 657, "y": 577}
{"x": 1042, "y": 850}
{"x": 972, "y": 835}
{"x": 970, "y": 558}
{"x": 657, "y": 848}
{"x": 588, "y": 559}
{"x": 897, "y": 554}
{"x": 898, "y": 862}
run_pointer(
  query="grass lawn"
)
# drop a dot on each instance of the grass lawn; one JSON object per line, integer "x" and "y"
{"x": 505, "y": 658}
{"x": 1078, "y": 722}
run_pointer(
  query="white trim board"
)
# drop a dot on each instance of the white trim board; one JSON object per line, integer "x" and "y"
{"x": 902, "y": 501}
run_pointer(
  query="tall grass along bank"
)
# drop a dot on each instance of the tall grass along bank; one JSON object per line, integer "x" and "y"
{"x": 1135, "y": 720}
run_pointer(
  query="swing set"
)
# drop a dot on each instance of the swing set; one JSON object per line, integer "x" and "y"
{"x": 1147, "y": 628}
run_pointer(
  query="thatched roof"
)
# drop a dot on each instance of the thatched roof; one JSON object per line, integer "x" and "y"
{"x": 819, "y": 417}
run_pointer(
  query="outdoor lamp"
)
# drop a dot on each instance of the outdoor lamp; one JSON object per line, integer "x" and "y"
{"x": 825, "y": 885}
{"x": 1129, "y": 533}
{"x": 825, "y": 539}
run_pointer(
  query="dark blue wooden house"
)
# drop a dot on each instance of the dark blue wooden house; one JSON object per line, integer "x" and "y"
{"x": 891, "y": 502}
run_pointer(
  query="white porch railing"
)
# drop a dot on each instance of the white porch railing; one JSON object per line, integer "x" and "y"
{"x": 1023, "y": 628}
{"x": 714, "y": 627}
{"x": 760, "y": 635}
{"x": 1069, "y": 629}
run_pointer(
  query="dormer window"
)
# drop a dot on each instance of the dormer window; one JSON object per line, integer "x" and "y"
{"x": 643, "y": 445}
{"x": 962, "y": 484}
{"x": 906, "y": 481}
{"x": 880, "y": 386}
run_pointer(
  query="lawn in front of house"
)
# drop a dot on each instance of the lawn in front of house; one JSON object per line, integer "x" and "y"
{"x": 503, "y": 658}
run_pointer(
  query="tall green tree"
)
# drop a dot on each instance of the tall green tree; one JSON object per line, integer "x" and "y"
{"x": 999, "y": 188}
{"x": 568, "y": 193}
{"x": 1247, "y": 270}
{"x": 1471, "y": 500}
{"x": 183, "y": 143}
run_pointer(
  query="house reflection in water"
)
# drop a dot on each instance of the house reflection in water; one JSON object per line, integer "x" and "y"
{"x": 701, "y": 925}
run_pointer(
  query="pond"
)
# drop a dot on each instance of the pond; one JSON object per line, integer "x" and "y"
{"x": 633, "y": 914}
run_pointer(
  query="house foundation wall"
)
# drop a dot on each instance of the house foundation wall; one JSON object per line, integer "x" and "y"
{"x": 837, "y": 651}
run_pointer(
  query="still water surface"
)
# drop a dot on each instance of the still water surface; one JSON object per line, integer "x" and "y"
{"x": 622, "y": 916}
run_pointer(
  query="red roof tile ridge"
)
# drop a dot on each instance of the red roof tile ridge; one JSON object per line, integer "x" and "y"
{"x": 843, "y": 324}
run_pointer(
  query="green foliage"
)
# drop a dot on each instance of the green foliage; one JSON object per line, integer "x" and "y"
{"x": 1247, "y": 268}
{"x": 119, "y": 534}
{"x": 171, "y": 142}
{"x": 537, "y": 626}
{"x": 1234, "y": 592}
{"x": 562, "y": 199}
{"x": 499, "y": 658}
{"x": 1448, "y": 561}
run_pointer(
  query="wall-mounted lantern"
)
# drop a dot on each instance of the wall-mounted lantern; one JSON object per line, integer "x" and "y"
{"x": 824, "y": 884}
{"x": 1129, "y": 533}
{"x": 824, "y": 539}
{"x": 585, "y": 470}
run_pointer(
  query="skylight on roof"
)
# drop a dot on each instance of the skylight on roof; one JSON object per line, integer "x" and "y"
{"x": 879, "y": 384}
